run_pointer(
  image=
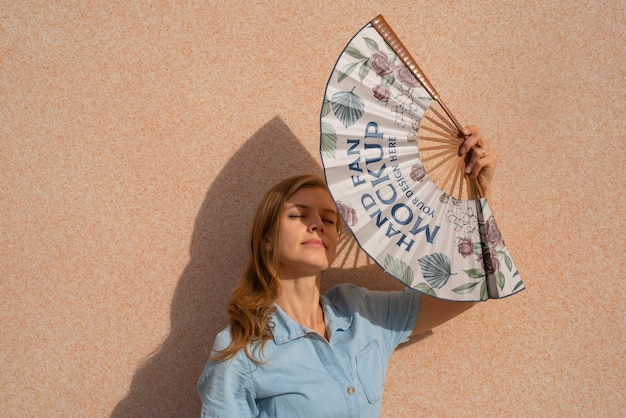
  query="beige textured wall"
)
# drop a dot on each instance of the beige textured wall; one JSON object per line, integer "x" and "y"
{"x": 136, "y": 139}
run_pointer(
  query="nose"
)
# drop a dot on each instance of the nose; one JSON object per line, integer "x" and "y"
{"x": 317, "y": 224}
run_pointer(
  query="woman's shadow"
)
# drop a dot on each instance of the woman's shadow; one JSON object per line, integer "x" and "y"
{"x": 165, "y": 384}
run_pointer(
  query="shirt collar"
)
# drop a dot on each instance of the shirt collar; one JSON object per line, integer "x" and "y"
{"x": 286, "y": 329}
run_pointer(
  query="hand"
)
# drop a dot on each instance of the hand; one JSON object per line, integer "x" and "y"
{"x": 480, "y": 158}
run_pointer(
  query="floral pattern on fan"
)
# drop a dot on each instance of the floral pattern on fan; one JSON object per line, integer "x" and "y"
{"x": 436, "y": 267}
{"x": 347, "y": 212}
{"x": 348, "y": 107}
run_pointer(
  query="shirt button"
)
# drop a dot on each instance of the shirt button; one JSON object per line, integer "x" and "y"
{"x": 350, "y": 390}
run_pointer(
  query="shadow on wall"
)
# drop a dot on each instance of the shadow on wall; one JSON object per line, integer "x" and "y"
{"x": 165, "y": 385}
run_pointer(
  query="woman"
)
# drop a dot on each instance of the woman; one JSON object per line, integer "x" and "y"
{"x": 290, "y": 351}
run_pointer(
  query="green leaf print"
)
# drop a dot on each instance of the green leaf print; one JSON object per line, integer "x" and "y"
{"x": 348, "y": 107}
{"x": 365, "y": 69}
{"x": 325, "y": 107}
{"x": 500, "y": 280}
{"x": 347, "y": 70}
{"x": 484, "y": 295}
{"x": 508, "y": 262}
{"x": 329, "y": 140}
{"x": 398, "y": 269}
{"x": 436, "y": 269}
{"x": 371, "y": 44}
{"x": 424, "y": 288}
{"x": 355, "y": 53}
{"x": 475, "y": 273}
{"x": 466, "y": 288}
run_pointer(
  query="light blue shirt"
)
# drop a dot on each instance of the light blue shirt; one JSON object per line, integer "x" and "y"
{"x": 306, "y": 376}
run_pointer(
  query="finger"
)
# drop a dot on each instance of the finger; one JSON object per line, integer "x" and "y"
{"x": 480, "y": 165}
{"x": 472, "y": 159}
{"x": 473, "y": 137}
{"x": 479, "y": 159}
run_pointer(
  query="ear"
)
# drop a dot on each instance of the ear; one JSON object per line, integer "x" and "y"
{"x": 268, "y": 246}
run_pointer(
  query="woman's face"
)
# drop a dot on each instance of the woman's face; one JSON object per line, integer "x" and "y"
{"x": 308, "y": 233}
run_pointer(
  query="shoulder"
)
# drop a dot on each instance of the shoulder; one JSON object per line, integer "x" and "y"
{"x": 345, "y": 290}
{"x": 389, "y": 314}
{"x": 347, "y": 298}
{"x": 227, "y": 385}
{"x": 237, "y": 367}
{"x": 350, "y": 296}
{"x": 222, "y": 339}
{"x": 387, "y": 308}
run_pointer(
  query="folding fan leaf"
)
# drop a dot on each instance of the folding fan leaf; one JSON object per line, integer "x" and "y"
{"x": 398, "y": 269}
{"x": 348, "y": 107}
{"x": 436, "y": 269}
{"x": 328, "y": 140}
{"x": 362, "y": 91}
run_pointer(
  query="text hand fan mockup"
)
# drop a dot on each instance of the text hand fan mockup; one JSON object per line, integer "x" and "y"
{"x": 389, "y": 147}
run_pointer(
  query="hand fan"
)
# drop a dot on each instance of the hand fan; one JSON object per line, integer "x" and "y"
{"x": 389, "y": 147}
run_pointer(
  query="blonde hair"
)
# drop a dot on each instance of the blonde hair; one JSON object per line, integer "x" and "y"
{"x": 252, "y": 304}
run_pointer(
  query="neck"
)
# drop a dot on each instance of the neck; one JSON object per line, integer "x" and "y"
{"x": 300, "y": 299}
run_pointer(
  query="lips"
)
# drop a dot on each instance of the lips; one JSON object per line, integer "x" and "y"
{"x": 315, "y": 243}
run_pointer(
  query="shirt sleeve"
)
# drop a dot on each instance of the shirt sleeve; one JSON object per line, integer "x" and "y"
{"x": 225, "y": 387}
{"x": 394, "y": 313}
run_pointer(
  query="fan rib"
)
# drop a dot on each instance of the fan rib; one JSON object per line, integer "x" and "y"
{"x": 440, "y": 163}
{"x": 436, "y": 147}
{"x": 446, "y": 120}
{"x": 450, "y": 173}
{"x": 458, "y": 178}
{"x": 446, "y": 127}
{"x": 446, "y": 154}
{"x": 438, "y": 139}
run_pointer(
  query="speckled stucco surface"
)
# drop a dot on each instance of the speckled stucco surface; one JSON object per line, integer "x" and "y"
{"x": 137, "y": 137}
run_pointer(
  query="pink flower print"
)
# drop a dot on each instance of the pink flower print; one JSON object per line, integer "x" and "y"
{"x": 347, "y": 213}
{"x": 380, "y": 64}
{"x": 492, "y": 234}
{"x": 381, "y": 93}
{"x": 465, "y": 247}
{"x": 489, "y": 261}
{"x": 418, "y": 172}
{"x": 404, "y": 76}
